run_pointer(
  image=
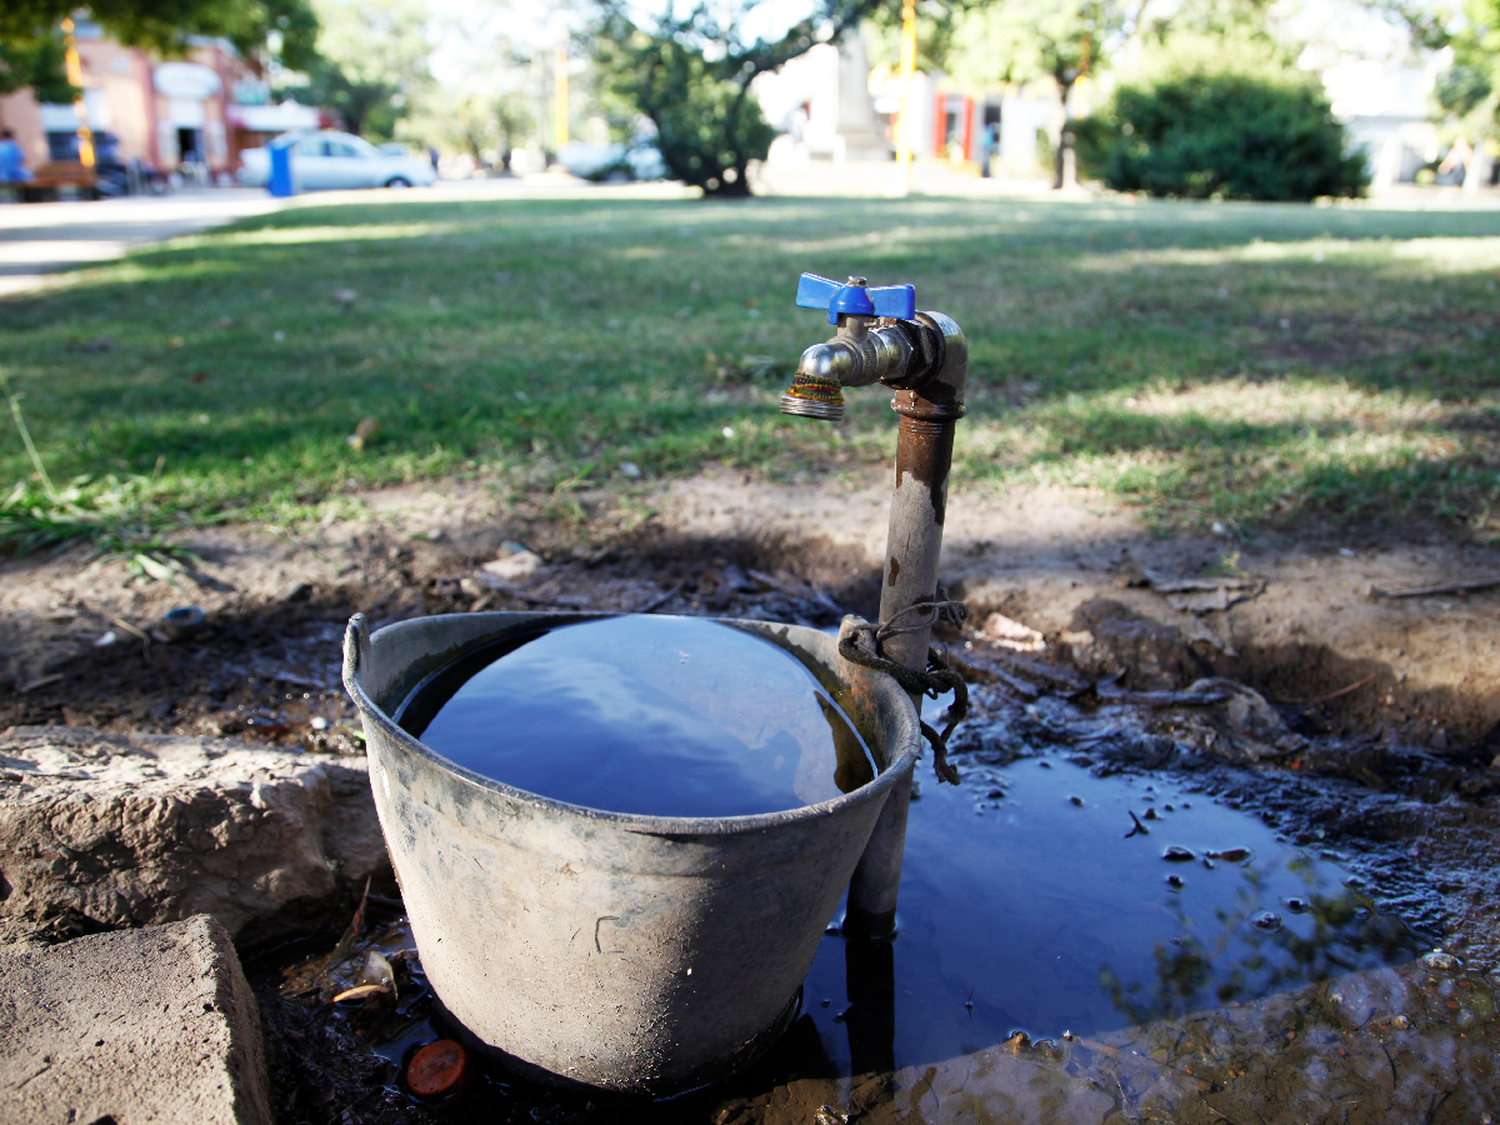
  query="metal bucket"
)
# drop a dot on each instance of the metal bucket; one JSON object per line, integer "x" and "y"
{"x": 632, "y": 953}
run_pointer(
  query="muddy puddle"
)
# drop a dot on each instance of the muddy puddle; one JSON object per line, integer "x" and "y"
{"x": 1078, "y": 943}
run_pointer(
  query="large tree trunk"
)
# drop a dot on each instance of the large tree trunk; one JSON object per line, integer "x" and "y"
{"x": 740, "y": 189}
{"x": 1064, "y": 166}
{"x": 1479, "y": 168}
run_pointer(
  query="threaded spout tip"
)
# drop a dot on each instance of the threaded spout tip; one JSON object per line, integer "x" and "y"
{"x": 810, "y": 396}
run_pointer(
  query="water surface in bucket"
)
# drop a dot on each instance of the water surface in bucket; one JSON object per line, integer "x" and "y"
{"x": 667, "y": 716}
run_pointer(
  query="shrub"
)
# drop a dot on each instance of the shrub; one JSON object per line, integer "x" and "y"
{"x": 1230, "y": 136}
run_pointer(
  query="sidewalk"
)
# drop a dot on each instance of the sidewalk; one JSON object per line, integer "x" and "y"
{"x": 37, "y": 239}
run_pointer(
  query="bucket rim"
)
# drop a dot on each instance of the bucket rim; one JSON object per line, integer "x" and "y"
{"x": 358, "y": 639}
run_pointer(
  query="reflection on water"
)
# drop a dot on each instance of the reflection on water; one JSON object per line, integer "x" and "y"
{"x": 669, "y": 716}
{"x": 1255, "y": 951}
{"x": 1032, "y": 901}
{"x": 1062, "y": 960}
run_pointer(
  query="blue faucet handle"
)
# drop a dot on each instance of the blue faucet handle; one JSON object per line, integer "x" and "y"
{"x": 814, "y": 292}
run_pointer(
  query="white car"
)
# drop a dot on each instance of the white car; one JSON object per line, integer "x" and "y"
{"x": 612, "y": 163}
{"x": 325, "y": 160}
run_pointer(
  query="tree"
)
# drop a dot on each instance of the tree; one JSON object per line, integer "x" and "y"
{"x": 36, "y": 62}
{"x": 988, "y": 43}
{"x": 1020, "y": 40}
{"x": 1216, "y": 106}
{"x": 1224, "y": 135}
{"x": 366, "y": 105}
{"x": 690, "y": 75}
{"x": 1468, "y": 93}
{"x": 167, "y": 26}
{"x": 484, "y": 123}
{"x": 370, "y": 63}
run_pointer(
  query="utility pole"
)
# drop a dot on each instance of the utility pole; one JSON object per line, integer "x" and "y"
{"x": 560, "y": 107}
{"x": 74, "y": 66}
{"x": 908, "y": 69}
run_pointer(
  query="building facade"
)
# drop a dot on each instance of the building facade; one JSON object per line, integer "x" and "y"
{"x": 194, "y": 114}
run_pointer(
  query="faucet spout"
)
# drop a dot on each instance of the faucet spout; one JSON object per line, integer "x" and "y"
{"x": 817, "y": 387}
{"x": 858, "y": 356}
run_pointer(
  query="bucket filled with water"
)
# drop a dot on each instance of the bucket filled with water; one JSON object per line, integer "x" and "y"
{"x": 620, "y": 839}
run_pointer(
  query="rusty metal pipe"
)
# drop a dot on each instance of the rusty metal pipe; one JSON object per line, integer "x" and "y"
{"x": 929, "y": 412}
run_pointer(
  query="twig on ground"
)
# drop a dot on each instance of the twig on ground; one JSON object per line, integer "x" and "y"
{"x": 345, "y": 947}
{"x": 530, "y": 599}
{"x": 1205, "y": 585}
{"x": 1021, "y": 687}
{"x": 1330, "y": 695}
{"x": 977, "y": 673}
{"x": 658, "y": 602}
{"x": 1459, "y": 588}
{"x": 1054, "y": 675}
{"x": 277, "y": 675}
{"x": 1143, "y": 1062}
{"x": 1110, "y": 691}
{"x": 139, "y": 634}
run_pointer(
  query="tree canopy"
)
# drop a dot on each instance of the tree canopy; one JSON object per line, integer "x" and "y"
{"x": 36, "y": 62}
{"x": 370, "y": 62}
{"x": 166, "y": 26}
{"x": 1222, "y": 135}
{"x": 1469, "y": 91}
{"x": 690, "y": 75}
{"x": 1214, "y": 106}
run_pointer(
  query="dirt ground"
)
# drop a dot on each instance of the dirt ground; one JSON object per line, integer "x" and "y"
{"x": 1304, "y": 622}
{"x": 1389, "y": 747}
{"x": 1297, "y": 615}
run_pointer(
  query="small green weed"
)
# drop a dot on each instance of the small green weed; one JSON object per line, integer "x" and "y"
{"x": 115, "y": 515}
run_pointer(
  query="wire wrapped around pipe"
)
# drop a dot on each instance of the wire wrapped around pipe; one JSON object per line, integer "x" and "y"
{"x": 935, "y": 680}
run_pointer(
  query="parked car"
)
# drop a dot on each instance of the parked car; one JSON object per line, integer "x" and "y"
{"x": 612, "y": 163}
{"x": 326, "y": 160}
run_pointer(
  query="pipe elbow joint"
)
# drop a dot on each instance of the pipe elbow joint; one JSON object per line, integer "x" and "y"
{"x": 935, "y": 390}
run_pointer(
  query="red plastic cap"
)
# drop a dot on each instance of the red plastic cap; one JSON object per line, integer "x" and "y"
{"x": 438, "y": 1069}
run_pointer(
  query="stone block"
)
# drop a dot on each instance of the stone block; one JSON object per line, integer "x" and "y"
{"x": 101, "y": 831}
{"x": 136, "y": 1026}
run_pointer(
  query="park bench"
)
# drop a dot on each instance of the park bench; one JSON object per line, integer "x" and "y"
{"x": 49, "y": 178}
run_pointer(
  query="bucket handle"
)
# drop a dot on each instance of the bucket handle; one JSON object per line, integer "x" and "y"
{"x": 356, "y": 649}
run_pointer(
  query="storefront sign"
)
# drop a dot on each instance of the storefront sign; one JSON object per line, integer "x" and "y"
{"x": 188, "y": 81}
{"x": 251, "y": 91}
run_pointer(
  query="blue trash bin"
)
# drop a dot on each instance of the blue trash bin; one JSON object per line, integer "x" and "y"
{"x": 280, "y": 184}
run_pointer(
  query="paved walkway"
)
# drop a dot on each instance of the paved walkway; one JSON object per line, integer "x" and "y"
{"x": 37, "y": 239}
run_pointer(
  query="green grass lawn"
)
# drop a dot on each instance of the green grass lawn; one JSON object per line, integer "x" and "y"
{"x": 1208, "y": 362}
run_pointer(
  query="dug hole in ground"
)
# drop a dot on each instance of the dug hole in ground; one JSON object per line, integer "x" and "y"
{"x": 1286, "y": 671}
